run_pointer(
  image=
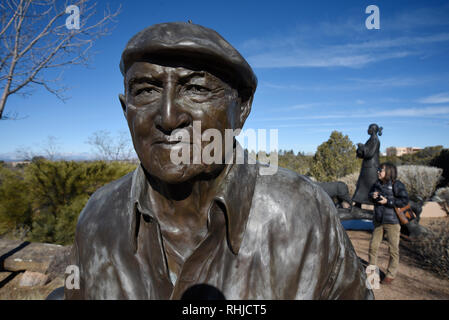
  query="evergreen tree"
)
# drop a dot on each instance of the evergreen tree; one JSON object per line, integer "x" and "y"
{"x": 334, "y": 158}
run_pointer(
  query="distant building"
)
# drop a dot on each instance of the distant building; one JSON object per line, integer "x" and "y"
{"x": 399, "y": 151}
{"x": 16, "y": 163}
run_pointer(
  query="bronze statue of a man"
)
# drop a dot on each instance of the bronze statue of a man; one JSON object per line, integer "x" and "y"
{"x": 165, "y": 227}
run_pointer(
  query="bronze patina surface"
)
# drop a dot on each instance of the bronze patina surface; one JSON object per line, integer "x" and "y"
{"x": 165, "y": 227}
{"x": 369, "y": 152}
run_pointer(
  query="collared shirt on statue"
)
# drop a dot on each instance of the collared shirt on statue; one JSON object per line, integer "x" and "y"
{"x": 285, "y": 242}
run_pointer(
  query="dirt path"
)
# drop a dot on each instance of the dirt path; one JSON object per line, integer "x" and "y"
{"x": 412, "y": 281}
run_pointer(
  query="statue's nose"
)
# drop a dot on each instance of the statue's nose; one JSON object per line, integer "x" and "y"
{"x": 172, "y": 114}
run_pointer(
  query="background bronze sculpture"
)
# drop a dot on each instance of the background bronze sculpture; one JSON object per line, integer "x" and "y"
{"x": 369, "y": 152}
{"x": 166, "y": 227}
{"x": 338, "y": 191}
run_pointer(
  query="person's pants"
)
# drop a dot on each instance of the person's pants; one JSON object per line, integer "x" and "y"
{"x": 393, "y": 232}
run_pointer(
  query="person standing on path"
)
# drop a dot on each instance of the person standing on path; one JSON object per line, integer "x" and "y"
{"x": 387, "y": 193}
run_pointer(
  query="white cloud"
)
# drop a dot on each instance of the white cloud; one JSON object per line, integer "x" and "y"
{"x": 436, "y": 98}
{"x": 403, "y": 112}
{"x": 417, "y": 18}
{"x": 321, "y": 58}
{"x": 398, "y": 42}
{"x": 302, "y": 106}
{"x": 357, "y": 84}
{"x": 390, "y": 82}
{"x": 315, "y": 47}
{"x": 416, "y": 112}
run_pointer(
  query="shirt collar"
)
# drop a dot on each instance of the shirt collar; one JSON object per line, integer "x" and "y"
{"x": 234, "y": 193}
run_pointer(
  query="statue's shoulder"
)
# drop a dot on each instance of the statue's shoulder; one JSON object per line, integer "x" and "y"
{"x": 292, "y": 206}
{"x": 286, "y": 181}
{"x": 103, "y": 224}
{"x": 294, "y": 196}
{"x": 107, "y": 199}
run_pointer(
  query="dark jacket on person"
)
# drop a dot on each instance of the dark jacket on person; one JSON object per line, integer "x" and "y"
{"x": 396, "y": 196}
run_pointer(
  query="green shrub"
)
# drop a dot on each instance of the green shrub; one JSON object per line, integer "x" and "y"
{"x": 47, "y": 196}
{"x": 43, "y": 226}
{"x": 299, "y": 163}
{"x": 15, "y": 203}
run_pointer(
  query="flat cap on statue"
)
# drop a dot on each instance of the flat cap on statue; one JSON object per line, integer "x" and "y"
{"x": 190, "y": 44}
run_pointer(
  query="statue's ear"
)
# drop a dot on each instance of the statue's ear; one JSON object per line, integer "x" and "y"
{"x": 245, "y": 107}
{"x": 122, "y": 99}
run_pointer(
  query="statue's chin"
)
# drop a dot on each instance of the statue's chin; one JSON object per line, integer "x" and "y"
{"x": 158, "y": 163}
{"x": 176, "y": 174}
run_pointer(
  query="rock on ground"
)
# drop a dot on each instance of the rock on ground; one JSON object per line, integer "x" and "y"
{"x": 30, "y": 279}
{"x": 38, "y": 257}
{"x": 31, "y": 270}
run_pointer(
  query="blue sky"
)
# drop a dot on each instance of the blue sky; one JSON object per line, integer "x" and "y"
{"x": 319, "y": 69}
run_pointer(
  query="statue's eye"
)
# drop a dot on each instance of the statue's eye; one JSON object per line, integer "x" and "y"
{"x": 145, "y": 91}
{"x": 194, "y": 88}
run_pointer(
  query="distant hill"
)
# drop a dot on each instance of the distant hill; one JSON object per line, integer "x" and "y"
{"x": 10, "y": 157}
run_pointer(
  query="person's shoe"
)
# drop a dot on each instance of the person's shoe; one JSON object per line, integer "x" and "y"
{"x": 387, "y": 280}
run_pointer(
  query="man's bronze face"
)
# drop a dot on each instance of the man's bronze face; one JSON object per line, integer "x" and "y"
{"x": 160, "y": 99}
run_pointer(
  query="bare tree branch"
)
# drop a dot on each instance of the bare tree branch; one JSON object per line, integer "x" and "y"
{"x": 112, "y": 148}
{"x": 35, "y": 38}
{"x": 51, "y": 148}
